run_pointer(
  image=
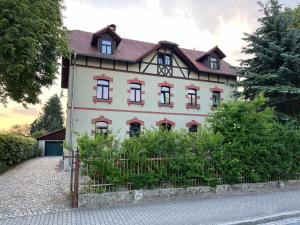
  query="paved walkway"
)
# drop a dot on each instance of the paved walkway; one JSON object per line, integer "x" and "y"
{"x": 210, "y": 211}
{"x": 31, "y": 188}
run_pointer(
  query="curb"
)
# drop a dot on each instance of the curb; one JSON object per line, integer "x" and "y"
{"x": 266, "y": 219}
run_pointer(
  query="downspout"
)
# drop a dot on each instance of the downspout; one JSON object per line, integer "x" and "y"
{"x": 72, "y": 105}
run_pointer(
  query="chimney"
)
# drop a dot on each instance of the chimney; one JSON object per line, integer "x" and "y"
{"x": 113, "y": 27}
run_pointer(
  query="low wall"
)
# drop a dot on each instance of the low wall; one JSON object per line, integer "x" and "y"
{"x": 94, "y": 200}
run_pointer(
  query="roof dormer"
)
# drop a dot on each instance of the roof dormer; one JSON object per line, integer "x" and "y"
{"x": 106, "y": 40}
{"x": 212, "y": 58}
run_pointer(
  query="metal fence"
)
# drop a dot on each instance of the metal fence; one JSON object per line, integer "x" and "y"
{"x": 92, "y": 180}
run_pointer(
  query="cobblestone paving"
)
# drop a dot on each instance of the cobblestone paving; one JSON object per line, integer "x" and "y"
{"x": 210, "y": 211}
{"x": 31, "y": 188}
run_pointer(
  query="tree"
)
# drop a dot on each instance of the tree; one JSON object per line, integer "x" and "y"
{"x": 294, "y": 16}
{"x": 274, "y": 64}
{"x": 32, "y": 38}
{"x": 51, "y": 119}
{"x": 22, "y": 129}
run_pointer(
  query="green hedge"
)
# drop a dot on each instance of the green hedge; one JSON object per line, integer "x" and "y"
{"x": 242, "y": 142}
{"x": 15, "y": 149}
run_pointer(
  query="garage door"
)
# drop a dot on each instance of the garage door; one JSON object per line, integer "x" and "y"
{"x": 53, "y": 148}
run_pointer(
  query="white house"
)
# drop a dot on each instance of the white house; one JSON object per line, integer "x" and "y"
{"x": 124, "y": 85}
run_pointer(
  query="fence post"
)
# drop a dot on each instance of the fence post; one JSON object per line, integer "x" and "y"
{"x": 76, "y": 180}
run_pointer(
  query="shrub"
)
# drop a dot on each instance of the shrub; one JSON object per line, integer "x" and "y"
{"x": 15, "y": 149}
{"x": 152, "y": 158}
{"x": 255, "y": 145}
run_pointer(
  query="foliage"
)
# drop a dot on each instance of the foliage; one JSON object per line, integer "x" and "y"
{"x": 244, "y": 141}
{"x": 255, "y": 145}
{"x": 15, "y": 149}
{"x": 155, "y": 157}
{"x": 22, "y": 129}
{"x": 32, "y": 38}
{"x": 294, "y": 16}
{"x": 51, "y": 119}
{"x": 274, "y": 64}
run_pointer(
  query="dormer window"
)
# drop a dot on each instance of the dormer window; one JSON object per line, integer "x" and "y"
{"x": 214, "y": 63}
{"x": 164, "y": 59}
{"x": 106, "y": 47}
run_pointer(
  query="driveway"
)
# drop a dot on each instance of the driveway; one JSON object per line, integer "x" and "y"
{"x": 32, "y": 188}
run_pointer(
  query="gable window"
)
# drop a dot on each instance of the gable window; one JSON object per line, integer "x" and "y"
{"x": 216, "y": 98}
{"x": 101, "y": 128}
{"x": 135, "y": 92}
{"x": 164, "y": 59}
{"x": 192, "y": 97}
{"x": 134, "y": 129}
{"x": 214, "y": 63}
{"x": 106, "y": 47}
{"x": 165, "y": 95}
{"x": 102, "y": 89}
{"x": 165, "y": 126}
{"x": 193, "y": 128}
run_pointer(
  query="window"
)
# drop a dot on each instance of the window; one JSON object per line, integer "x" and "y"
{"x": 135, "y": 129}
{"x": 106, "y": 47}
{"x": 216, "y": 98}
{"x": 101, "y": 128}
{"x": 192, "y": 97}
{"x": 135, "y": 92}
{"x": 165, "y": 95}
{"x": 102, "y": 89}
{"x": 165, "y": 126}
{"x": 193, "y": 128}
{"x": 164, "y": 59}
{"x": 214, "y": 63}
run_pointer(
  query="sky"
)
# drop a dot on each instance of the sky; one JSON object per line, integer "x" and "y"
{"x": 194, "y": 24}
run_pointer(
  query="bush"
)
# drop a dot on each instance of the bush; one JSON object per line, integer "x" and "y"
{"x": 255, "y": 145}
{"x": 15, "y": 149}
{"x": 244, "y": 142}
{"x": 152, "y": 158}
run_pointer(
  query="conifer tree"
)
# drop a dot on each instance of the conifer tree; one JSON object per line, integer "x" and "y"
{"x": 273, "y": 66}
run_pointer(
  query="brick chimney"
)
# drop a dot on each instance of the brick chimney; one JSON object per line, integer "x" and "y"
{"x": 113, "y": 27}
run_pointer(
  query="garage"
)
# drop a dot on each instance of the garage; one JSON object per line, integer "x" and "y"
{"x": 52, "y": 143}
{"x": 53, "y": 148}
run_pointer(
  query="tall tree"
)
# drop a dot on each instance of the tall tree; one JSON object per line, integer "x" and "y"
{"x": 32, "y": 38}
{"x": 294, "y": 16}
{"x": 51, "y": 118}
{"x": 274, "y": 64}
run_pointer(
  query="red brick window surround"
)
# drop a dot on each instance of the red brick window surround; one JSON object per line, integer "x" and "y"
{"x": 102, "y": 89}
{"x": 165, "y": 94}
{"x": 192, "y": 126}
{"x": 134, "y": 127}
{"x": 99, "y": 124}
{"x": 216, "y": 97}
{"x": 192, "y": 97}
{"x": 135, "y": 92}
{"x": 165, "y": 122}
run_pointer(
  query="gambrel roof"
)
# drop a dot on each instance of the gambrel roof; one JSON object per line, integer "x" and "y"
{"x": 134, "y": 51}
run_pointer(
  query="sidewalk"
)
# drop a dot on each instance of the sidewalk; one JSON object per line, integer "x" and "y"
{"x": 214, "y": 210}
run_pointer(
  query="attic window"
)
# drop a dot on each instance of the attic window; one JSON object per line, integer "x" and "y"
{"x": 106, "y": 47}
{"x": 164, "y": 59}
{"x": 214, "y": 63}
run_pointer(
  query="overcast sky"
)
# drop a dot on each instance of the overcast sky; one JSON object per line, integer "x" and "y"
{"x": 199, "y": 24}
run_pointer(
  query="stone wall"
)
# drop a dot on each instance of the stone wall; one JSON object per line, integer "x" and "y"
{"x": 93, "y": 200}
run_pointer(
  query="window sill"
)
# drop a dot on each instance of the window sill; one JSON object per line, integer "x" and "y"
{"x": 171, "y": 105}
{"x": 141, "y": 103}
{"x": 95, "y": 100}
{"x": 189, "y": 106}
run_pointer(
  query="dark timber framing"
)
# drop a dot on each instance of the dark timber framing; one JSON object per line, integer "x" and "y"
{"x": 140, "y": 71}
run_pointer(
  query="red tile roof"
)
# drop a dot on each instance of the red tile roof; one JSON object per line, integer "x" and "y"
{"x": 132, "y": 51}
